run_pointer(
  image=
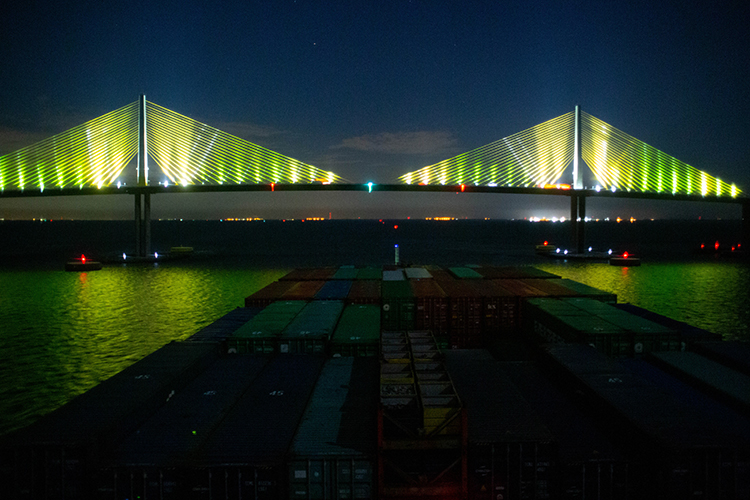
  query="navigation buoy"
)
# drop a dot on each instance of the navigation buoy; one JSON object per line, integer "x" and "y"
{"x": 82, "y": 264}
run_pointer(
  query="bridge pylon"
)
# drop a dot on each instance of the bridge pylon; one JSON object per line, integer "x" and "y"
{"x": 142, "y": 199}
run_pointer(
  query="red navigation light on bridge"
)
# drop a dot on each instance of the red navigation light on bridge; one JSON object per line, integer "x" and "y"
{"x": 555, "y": 186}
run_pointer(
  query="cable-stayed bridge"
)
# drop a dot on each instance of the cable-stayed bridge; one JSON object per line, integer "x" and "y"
{"x": 549, "y": 158}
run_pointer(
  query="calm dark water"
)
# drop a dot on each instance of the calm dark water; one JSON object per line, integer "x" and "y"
{"x": 62, "y": 333}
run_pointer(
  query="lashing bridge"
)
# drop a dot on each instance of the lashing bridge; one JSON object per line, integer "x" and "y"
{"x": 194, "y": 157}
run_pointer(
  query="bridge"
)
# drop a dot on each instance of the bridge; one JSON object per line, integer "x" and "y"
{"x": 194, "y": 157}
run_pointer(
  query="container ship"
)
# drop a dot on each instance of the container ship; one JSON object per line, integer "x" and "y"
{"x": 403, "y": 383}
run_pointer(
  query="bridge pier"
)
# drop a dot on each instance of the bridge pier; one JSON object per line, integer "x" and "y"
{"x": 142, "y": 224}
{"x": 577, "y": 216}
{"x": 745, "y": 236}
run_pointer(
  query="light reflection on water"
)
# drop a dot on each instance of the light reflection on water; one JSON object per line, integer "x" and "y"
{"x": 62, "y": 333}
{"x": 711, "y": 294}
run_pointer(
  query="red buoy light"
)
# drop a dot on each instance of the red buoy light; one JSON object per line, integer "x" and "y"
{"x": 716, "y": 245}
{"x": 625, "y": 255}
{"x": 83, "y": 259}
{"x": 546, "y": 243}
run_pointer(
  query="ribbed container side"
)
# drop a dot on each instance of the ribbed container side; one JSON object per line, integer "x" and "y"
{"x": 583, "y": 290}
{"x": 683, "y": 447}
{"x": 397, "y": 305}
{"x": 688, "y": 333}
{"x": 303, "y": 290}
{"x": 310, "y": 330}
{"x": 260, "y": 335}
{"x": 268, "y": 294}
{"x": 724, "y": 383}
{"x": 321, "y": 273}
{"x": 524, "y": 272}
{"x": 358, "y": 331}
{"x": 417, "y": 273}
{"x": 550, "y": 287}
{"x": 334, "y": 290}
{"x": 588, "y": 464}
{"x": 364, "y": 292}
{"x": 465, "y": 314}
{"x": 734, "y": 354}
{"x": 512, "y": 453}
{"x": 431, "y": 306}
{"x": 647, "y": 336}
{"x": 333, "y": 452}
{"x": 296, "y": 275}
{"x": 464, "y": 273}
{"x": 255, "y": 435}
{"x": 346, "y": 273}
{"x": 393, "y": 275}
{"x": 369, "y": 273}
{"x": 224, "y": 327}
{"x": 56, "y": 456}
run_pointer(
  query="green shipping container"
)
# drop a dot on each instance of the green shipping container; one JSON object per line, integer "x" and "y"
{"x": 310, "y": 330}
{"x": 358, "y": 331}
{"x": 397, "y": 306}
{"x": 260, "y": 335}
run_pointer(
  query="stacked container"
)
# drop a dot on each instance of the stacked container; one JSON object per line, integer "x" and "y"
{"x": 364, "y": 292}
{"x": 268, "y": 294}
{"x": 397, "y": 305}
{"x": 309, "y": 331}
{"x": 512, "y": 454}
{"x": 333, "y": 455}
{"x": 261, "y": 334}
{"x": 357, "y": 332}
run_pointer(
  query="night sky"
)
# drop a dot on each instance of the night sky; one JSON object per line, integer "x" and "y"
{"x": 372, "y": 90}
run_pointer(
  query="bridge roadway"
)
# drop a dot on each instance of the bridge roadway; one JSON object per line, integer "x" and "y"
{"x": 577, "y": 198}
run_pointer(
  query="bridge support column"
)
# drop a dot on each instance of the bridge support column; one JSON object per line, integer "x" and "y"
{"x": 577, "y": 216}
{"x": 138, "y": 224}
{"x": 745, "y": 237}
{"x": 146, "y": 224}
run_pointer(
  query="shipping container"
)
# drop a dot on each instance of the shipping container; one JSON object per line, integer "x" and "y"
{"x": 688, "y": 334}
{"x": 393, "y": 275}
{"x": 303, "y": 290}
{"x": 466, "y": 312}
{"x": 687, "y": 454}
{"x": 647, "y": 336}
{"x": 56, "y": 456}
{"x": 512, "y": 454}
{"x": 364, "y": 292}
{"x": 334, "y": 290}
{"x": 397, "y": 305}
{"x": 514, "y": 272}
{"x": 431, "y": 306}
{"x": 260, "y": 335}
{"x": 583, "y": 290}
{"x": 722, "y": 382}
{"x": 245, "y": 456}
{"x": 224, "y": 327}
{"x": 464, "y": 273}
{"x": 270, "y": 293}
{"x": 296, "y": 275}
{"x": 417, "y": 273}
{"x": 357, "y": 332}
{"x": 734, "y": 354}
{"x": 550, "y": 287}
{"x": 346, "y": 273}
{"x": 321, "y": 273}
{"x": 369, "y": 273}
{"x": 333, "y": 454}
{"x": 499, "y": 308}
{"x": 147, "y": 463}
{"x": 309, "y": 331}
{"x": 589, "y": 466}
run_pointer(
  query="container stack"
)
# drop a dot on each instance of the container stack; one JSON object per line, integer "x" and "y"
{"x": 610, "y": 330}
{"x": 333, "y": 455}
{"x": 421, "y": 423}
{"x": 261, "y": 334}
{"x": 357, "y": 332}
{"x": 686, "y": 451}
{"x": 309, "y": 331}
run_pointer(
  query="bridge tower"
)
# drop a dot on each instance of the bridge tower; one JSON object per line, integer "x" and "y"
{"x": 577, "y": 194}
{"x": 142, "y": 196}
